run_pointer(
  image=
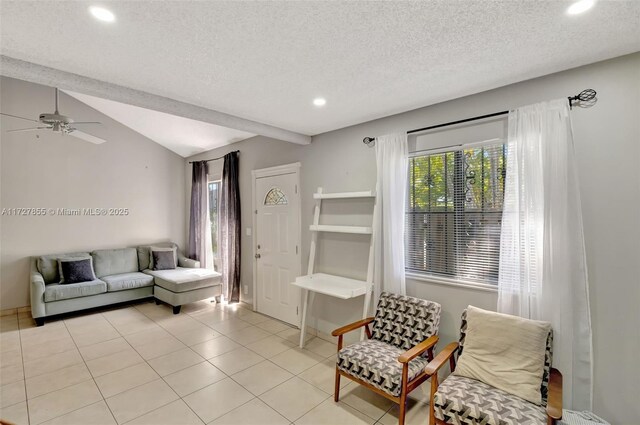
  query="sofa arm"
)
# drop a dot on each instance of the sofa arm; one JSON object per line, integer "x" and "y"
{"x": 36, "y": 289}
{"x": 188, "y": 263}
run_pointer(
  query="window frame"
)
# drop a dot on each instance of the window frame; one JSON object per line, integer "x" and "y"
{"x": 424, "y": 276}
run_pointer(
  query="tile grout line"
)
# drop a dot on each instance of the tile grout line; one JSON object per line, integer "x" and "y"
{"x": 242, "y": 386}
{"x": 204, "y": 359}
{"x": 91, "y": 378}
{"x": 137, "y": 386}
{"x": 91, "y": 374}
{"x": 168, "y": 385}
{"x": 24, "y": 375}
{"x": 237, "y": 383}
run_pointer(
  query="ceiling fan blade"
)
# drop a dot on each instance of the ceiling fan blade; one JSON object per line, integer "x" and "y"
{"x": 15, "y": 116}
{"x": 87, "y": 137}
{"x": 28, "y": 129}
{"x": 86, "y": 122}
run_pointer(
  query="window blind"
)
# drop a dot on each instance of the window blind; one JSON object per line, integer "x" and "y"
{"x": 454, "y": 213}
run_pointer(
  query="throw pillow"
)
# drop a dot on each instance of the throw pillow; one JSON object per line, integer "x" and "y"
{"x": 68, "y": 257}
{"x": 173, "y": 250}
{"x": 163, "y": 260}
{"x": 504, "y": 351}
{"x": 76, "y": 271}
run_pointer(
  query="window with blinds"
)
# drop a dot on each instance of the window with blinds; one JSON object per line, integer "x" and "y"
{"x": 454, "y": 213}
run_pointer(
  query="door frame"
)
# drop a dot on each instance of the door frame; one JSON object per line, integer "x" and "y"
{"x": 293, "y": 168}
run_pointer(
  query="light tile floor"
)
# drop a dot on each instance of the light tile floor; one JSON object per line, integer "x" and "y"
{"x": 211, "y": 364}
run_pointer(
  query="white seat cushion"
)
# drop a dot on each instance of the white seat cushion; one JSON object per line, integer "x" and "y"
{"x": 183, "y": 279}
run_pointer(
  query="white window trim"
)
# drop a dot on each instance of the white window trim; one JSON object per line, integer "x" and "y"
{"x": 456, "y": 283}
{"x": 453, "y": 148}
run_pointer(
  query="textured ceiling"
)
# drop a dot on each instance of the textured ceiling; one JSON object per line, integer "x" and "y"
{"x": 266, "y": 61}
{"x": 183, "y": 136}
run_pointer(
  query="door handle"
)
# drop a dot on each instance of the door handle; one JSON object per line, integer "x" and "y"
{"x": 257, "y": 256}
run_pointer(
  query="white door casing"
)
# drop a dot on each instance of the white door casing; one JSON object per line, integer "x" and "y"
{"x": 277, "y": 257}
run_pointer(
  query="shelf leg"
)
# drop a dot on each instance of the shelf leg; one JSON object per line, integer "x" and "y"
{"x": 303, "y": 326}
{"x": 365, "y": 309}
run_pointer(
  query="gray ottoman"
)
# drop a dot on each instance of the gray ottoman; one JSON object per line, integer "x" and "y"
{"x": 185, "y": 285}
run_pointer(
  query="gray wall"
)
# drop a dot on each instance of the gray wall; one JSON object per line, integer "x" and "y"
{"x": 52, "y": 171}
{"x": 607, "y": 142}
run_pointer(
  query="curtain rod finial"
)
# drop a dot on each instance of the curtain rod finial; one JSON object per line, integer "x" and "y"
{"x": 369, "y": 141}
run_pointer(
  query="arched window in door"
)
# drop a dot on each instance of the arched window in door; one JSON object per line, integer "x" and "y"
{"x": 275, "y": 197}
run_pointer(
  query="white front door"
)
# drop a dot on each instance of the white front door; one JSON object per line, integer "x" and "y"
{"x": 277, "y": 254}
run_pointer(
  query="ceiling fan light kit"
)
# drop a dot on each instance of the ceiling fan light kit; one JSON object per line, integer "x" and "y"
{"x": 59, "y": 124}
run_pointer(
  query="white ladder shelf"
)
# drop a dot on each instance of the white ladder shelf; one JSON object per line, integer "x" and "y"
{"x": 326, "y": 284}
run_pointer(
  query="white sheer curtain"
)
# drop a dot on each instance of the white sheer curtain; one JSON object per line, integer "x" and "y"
{"x": 392, "y": 158}
{"x": 543, "y": 273}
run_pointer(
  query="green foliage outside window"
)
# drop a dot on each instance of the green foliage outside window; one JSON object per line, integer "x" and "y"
{"x": 454, "y": 213}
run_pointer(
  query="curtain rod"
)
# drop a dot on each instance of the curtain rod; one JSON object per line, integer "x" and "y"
{"x": 213, "y": 159}
{"x": 588, "y": 97}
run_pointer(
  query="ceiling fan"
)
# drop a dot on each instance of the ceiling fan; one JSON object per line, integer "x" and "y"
{"x": 59, "y": 124}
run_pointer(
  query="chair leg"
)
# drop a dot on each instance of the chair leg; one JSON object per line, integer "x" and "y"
{"x": 39, "y": 321}
{"x": 176, "y": 309}
{"x": 403, "y": 408}
{"x": 336, "y": 393}
{"x": 403, "y": 393}
{"x": 157, "y": 301}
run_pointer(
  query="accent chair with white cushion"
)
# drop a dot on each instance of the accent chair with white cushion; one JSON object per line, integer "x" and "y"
{"x": 391, "y": 361}
{"x": 464, "y": 400}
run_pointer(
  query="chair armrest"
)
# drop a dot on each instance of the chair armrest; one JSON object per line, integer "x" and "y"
{"x": 188, "y": 262}
{"x": 554, "y": 396}
{"x": 36, "y": 290}
{"x": 352, "y": 326}
{"x": 442, "y": 357}
{"x": 411, "y": 354}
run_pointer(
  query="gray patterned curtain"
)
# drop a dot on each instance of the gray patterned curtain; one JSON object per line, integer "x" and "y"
{"x": 230, "y": 228}
{"x": 198, "y": 230}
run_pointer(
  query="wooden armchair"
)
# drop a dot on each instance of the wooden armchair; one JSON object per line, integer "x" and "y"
{"x": 392, "y": 360}
{"x": 461, "y": 400}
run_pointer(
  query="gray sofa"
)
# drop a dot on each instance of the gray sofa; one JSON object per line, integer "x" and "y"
{"x": 121, "y": 275}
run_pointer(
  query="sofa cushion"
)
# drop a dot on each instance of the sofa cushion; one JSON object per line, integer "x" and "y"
{"x": 461, "y": 400}
{"x": 107, "y": 262}
{"x": 124, "y": 281}
{"x": 48, "y": 265}
{"x": 376, "y": 363}
{"x": 144, "y": 253}
{"x": 57, "y": 291}
{"x": 182, "y": 280}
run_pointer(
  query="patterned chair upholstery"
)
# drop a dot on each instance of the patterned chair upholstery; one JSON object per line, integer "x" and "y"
{"x": 460, "y": 400}
{"x": 401, "y": 324}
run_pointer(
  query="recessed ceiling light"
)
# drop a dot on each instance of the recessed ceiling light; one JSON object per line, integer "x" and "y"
{"x": 319, "y": 101}
{"x": 102, "y": 14}
{"x": 580, "y": 7}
